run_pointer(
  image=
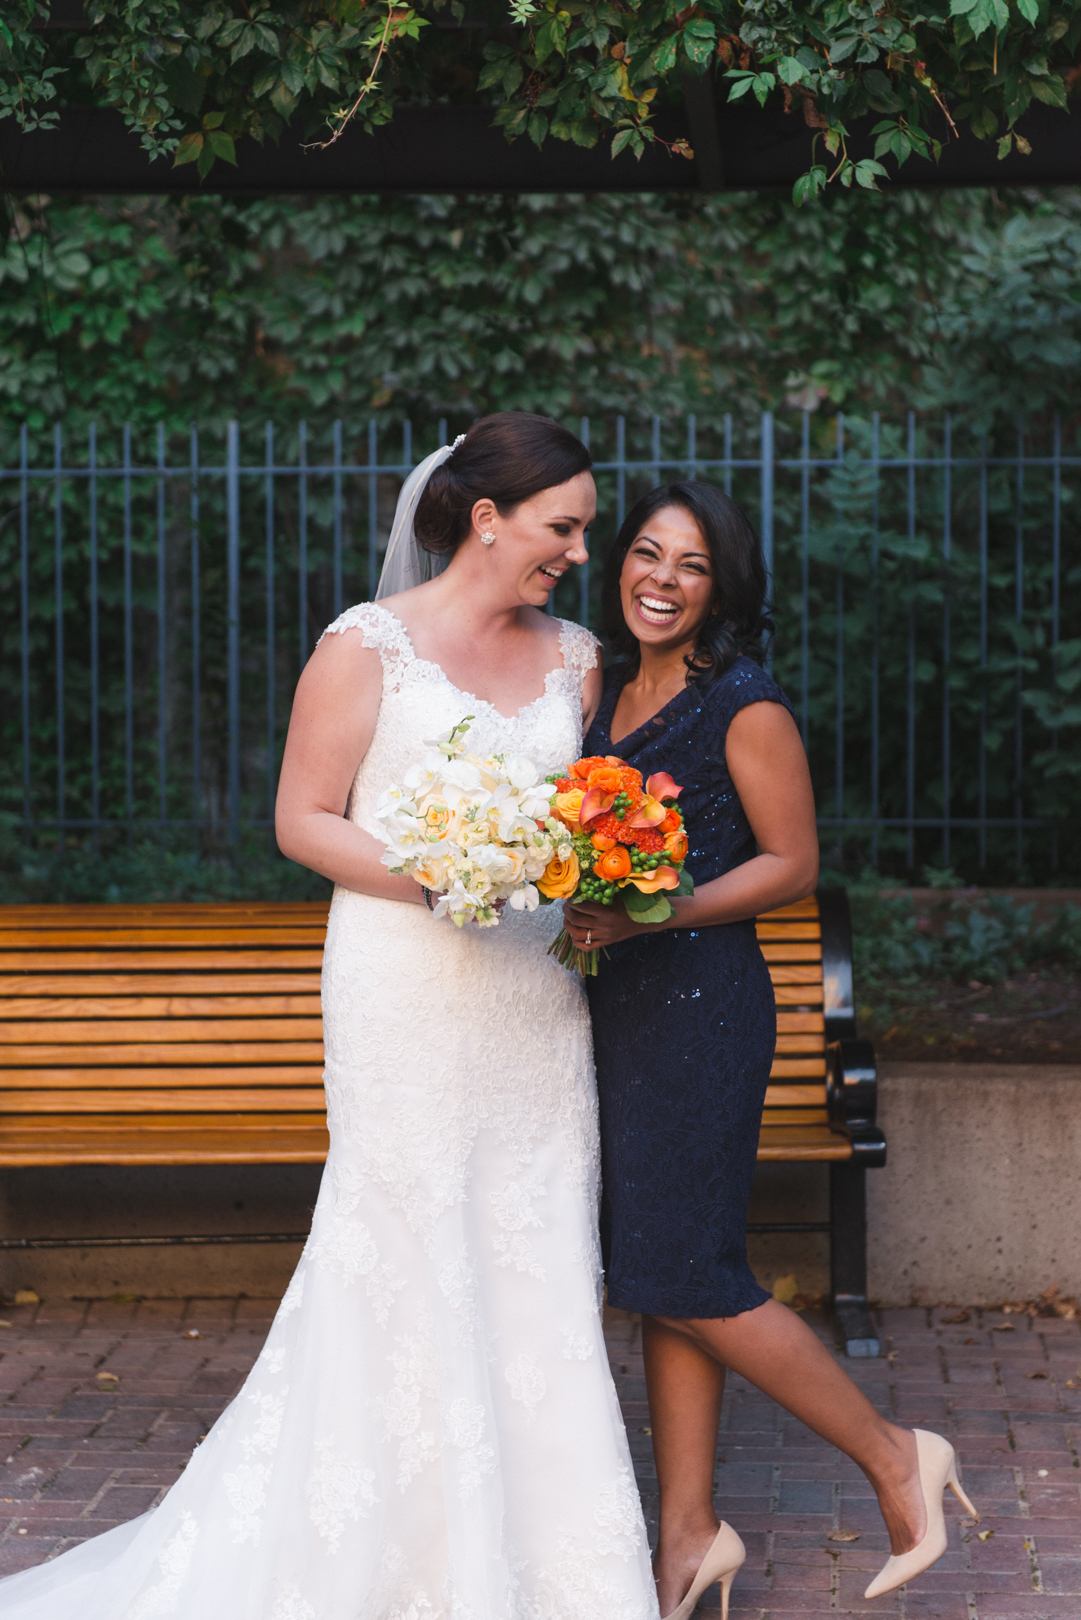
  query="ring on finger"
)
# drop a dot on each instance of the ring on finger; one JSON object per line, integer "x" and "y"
{"x": 589, "y": 938}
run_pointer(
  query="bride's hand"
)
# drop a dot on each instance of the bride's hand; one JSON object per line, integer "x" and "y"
{"x": 605, "y": 925}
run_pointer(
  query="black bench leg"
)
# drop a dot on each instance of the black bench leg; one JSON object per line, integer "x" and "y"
{"x": 848, "y": 1259}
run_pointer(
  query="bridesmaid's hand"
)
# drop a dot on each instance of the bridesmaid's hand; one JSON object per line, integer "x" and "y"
{"x": 605, "y": 925}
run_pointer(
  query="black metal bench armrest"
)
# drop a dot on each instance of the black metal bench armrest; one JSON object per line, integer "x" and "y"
{"x": 852, "y": 1099}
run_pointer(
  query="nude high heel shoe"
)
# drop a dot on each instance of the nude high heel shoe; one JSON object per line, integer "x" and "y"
{"x": 938, "y": 1468}
{"x": 721, "y": 1563}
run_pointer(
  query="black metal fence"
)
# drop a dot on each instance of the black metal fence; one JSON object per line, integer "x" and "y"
{"x": 155, "y": 611}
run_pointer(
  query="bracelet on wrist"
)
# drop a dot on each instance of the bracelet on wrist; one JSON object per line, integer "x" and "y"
{"x": 429, "y": 898}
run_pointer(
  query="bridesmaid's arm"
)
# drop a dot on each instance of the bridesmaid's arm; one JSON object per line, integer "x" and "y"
{"x": 768, "y": 767}
{"x": 330, "y": 731}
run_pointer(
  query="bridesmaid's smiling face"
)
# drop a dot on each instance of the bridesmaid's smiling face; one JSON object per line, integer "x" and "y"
{"x": 666, "y": 585}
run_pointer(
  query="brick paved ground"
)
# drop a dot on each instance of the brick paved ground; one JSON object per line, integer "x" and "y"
{"x": 82, "y": 1452}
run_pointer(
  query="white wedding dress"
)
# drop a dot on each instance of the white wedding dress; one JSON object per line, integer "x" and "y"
{"x": 431, "y": 1431}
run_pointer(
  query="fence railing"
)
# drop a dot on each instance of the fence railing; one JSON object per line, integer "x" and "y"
{"x": 156, "y": 611}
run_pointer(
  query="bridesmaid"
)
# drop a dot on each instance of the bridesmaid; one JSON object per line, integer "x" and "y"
{"x": 684, "y": 1027}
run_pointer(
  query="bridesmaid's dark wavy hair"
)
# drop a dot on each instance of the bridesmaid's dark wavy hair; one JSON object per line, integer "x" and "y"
{"x": 509, "y": 457}
{"x": 740, "y": 625}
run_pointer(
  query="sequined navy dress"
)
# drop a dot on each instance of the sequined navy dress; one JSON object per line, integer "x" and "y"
{"x": 684, "y": 1027}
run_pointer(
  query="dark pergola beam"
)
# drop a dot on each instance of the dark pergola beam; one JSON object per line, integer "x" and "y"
{"x": 456, "y": 149}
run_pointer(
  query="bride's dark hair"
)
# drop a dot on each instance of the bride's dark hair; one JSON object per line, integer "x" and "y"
{"x": 739, "y": 624}
{"x": 509, "y": 458}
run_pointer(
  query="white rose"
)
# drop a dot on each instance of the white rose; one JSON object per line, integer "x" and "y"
{"x": 520, "y": 771}
{"x": 503, "y": 866}
{"x": 525, "y": 899}
{"x": 536, "y": 860}
{"x": 461, "y": 773}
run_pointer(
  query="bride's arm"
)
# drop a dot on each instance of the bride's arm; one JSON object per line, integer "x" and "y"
{"x": 592, "y": 691}
{"x": 330, "y": 730}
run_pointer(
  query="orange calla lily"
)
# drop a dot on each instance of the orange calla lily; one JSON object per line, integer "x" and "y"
{"x": 594, "y": 804}
{"x": 661, "y": 786}
{"x": 650, "y": 813}
{"x": 662, "y": 877}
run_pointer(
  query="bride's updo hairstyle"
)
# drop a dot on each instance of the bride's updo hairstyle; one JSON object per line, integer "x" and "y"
{"x": 507, "y": 458}
{"x": 739, "y": 625}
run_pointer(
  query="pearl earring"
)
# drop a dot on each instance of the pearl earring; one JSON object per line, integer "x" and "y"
{"x": 487, "y": 538}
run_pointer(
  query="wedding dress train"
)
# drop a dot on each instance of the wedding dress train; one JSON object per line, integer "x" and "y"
{"x": 431, "y": 1430}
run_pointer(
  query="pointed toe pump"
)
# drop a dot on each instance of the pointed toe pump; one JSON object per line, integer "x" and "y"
{"x": 721, "y": 1563}
{"x": 938, "y": 1468}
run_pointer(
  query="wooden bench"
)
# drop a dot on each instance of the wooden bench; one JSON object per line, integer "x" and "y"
{"x": 191, "y": 1034}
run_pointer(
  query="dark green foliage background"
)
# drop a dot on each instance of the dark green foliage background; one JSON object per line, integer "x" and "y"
{"x": 154, "y": 311}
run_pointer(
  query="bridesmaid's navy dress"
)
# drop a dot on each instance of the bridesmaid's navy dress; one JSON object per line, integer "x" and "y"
{"x": 684, "y": 1028}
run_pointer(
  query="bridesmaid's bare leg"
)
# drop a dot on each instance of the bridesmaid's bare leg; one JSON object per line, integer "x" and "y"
{"x": 685, "y": 1385}
{"x": 772, "y": 1348}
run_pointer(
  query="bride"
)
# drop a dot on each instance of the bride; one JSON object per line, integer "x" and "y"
{"x": 431, "y": 1431}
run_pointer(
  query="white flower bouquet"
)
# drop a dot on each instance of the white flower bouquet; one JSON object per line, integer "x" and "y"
{"x": 476, "y": 831}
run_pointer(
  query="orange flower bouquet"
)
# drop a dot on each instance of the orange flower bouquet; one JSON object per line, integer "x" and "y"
{"x": 628, "y": 840}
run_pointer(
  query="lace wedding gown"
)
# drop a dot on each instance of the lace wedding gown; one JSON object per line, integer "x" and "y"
{"x": 431, "y": 1430}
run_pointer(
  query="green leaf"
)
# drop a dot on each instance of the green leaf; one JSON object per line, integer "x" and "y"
{"x": 790, "y": 70}
{"x": 538, "y": 128}
{"x": 1029, "y": 9}
{"x": 665, "y": 55}
{"x": 188, "y": 150}
{"x": 621, "y": 140}
{"x": 1051, "y": 90}
{"x": 222, "y": 146}
{"x": 686, "y": 883}
{"x": 844, "y": 46}
{"x": 1005, "y": 146}
{"x": 809, "y": 185}
{"x": 283, "y": 99}
{"x": 741, "y": 87}
{"x": 213, "y": 120}
{"x": 867, "y": 173}
{"x": 265, "y": 80}
{"x": 646, "y": 908}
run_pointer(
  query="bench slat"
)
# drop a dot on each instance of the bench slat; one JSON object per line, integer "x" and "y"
{"x": 93, "y": 1031}
{"x": 147, "y": 1053}
{"x": 807, "y": 1144}
{"x": 798, "y": 995}
{"x": 798, "y": 908}
{"x": 786, "y": 931}
{"x": 792, "y": 953}
{"x": 797, "y": 1068}
{"x": 812, "y": 1023}
{"x": 87, "y": 1079}
{"x": 795, "y": 1116}
{"x": 787, "y": 1044}
{"x": 793, "y": 1096}
{"x": 795, "y": 973}
{"x": 171, "y": 1007}
{"x": 180, "y": 1139}
{"x": 162, "y": 1100}
{"x": 157, "y": 984}
{"x": 175, "y": 935}
{"x": 190, "y": 961}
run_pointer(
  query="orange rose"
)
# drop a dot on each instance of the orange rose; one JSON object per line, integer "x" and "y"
{"x": 582, "y": 767}
{"x": 672, "y": 822}
{"x": 675, "y": 845}
{"x": 602, "y": 841}
{"x": 613, "y": 864}
{"x": 606, "y": 779}
{"x": 567, "y": 807}
{"x": 560, "y": 877}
